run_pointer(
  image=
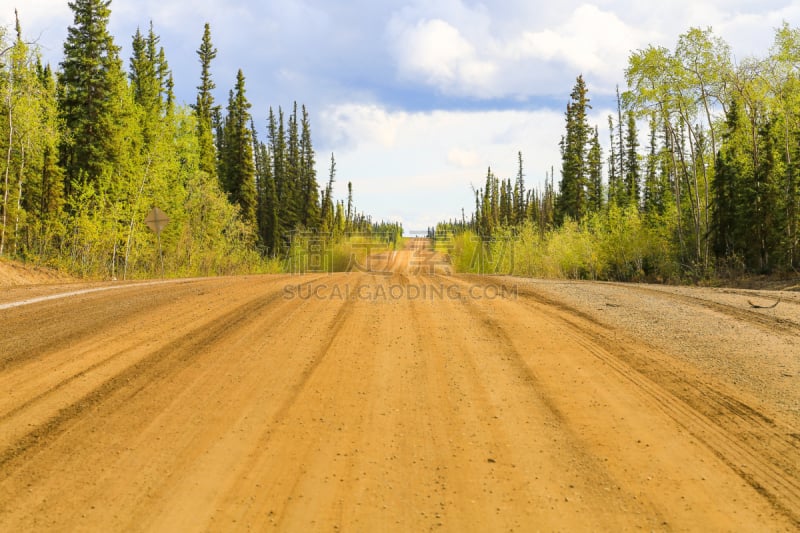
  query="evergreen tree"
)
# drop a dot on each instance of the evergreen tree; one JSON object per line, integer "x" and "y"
{"x": 572, "y": 199}
{"x": 732, "y": 166}
{"x": 48, "y": 204}
{"x": 494, "y": 198}
{"x": 520, "y": 207}
{"x": 350, "y": 206}
{"x": 614, "y": 181}
{"x": 653, "y": 194}
{"x": 327, "y": 208}
{"x": 764, "y": 202}
{"x": 293, "y": 171}
{"x": 595, "y": 164}
{"x": 150, "y": 82}
{"x": 621, "y": 167}
{"x": 505, "y": 203}
{"x": 632, "y": 167}
{"x": 486, "y": 217}
{"x": 267, "y": 200}
{"x": 204, "y": 108}
{"x": 237, "y": 168}
{"x": 90, "y": 85}
{"x": 309, "y": 197}
{"x": 284, "y": 186}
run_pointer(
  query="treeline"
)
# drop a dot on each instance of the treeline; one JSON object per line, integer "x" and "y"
{"x": 88, "y": 149}
{"x": 713, "y": 191}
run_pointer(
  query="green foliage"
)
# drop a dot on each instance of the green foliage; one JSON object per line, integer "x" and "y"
{"x": 91, "y": 87}
{"x": 573, "y": 198}
{"x": 204, "y": 107}
{"x": 236, "y": 160}
{"x": 84, "y": 160}
{"x": 618, "y": 245}
{"x": 330, "y": 252}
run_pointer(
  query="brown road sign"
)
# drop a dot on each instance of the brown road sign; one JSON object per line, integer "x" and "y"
{"x": 156, "y": 220}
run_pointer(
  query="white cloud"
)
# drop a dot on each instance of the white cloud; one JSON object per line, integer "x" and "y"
{"x": 349, "y": 125}
{"x": 591, "y": 41}
{"x": 471, "y": 59}
{"x": 463, "y": 157}
{"x": 422, "y": 166}
{"x": 436, "y": 51}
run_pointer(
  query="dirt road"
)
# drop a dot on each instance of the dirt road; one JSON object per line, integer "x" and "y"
{"x": 397, "y": 400}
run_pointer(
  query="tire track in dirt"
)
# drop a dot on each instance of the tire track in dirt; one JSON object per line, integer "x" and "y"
{"x": 767, "y": 322}
{"x": 792, "y": 298}
{"x": 274, "y": 410}
{"x": 33, "y": 383}
{"x": 297, "y": 388}
{"x": 199, "y": 352}
{"x": 589, "y": 479}
{"x": 498, "y": 385}
{"x": 291, "y": 429}
{"x": 766, "y": 455}
{"x": 57, "y": 328}
{"x": 180, "y": 351}
{"x": 38, "y": 391}
{"x": 249, "y": 418}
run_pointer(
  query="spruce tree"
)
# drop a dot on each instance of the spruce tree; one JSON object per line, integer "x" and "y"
{"x": 350, "y": 214}
{"x": 595, "y": 164}
{"x": 505, "y": 203}
{"x": 284, "y": 187}
{"x": 572, "y": 198}
{"x": 237, "y": 166}
{"x": 294, "y": 215}
{"x": 764, "y": 200}
{"x": 621, "y": 169}
{"x": 267, "y": 201}
{"x": 326, "y": 206}
{"x": 310, "y": 209}
{"x": 732, "y": 166}
{"x": 204, "y": 108}
{"x": 150, "y": 83}
{"x": 652, "y": 195}
{"x": 520, "y": 207}
{"x": 90, "y": 81}
{"x": 632, "y": 167}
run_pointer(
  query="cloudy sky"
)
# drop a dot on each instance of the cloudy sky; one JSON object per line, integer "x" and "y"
{"x": 417, "y": 98}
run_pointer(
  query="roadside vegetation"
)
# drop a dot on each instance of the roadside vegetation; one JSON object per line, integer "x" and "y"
{"x": 89, "y": 147}
{"x": 341, "y": 252}
{"x": 713, "y": 193}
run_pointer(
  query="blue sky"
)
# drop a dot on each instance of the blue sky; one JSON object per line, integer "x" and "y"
{"x": 417, "y": 98}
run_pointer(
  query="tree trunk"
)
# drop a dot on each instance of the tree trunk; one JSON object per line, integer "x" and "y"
{"x": 20, "y": 182}
{"x": 8, "y": 170}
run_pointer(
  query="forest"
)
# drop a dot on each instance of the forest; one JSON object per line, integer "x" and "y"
{"x": 713, "y": 192}
{"x": 89, "y": 148}
{"x": 700, "y": 180}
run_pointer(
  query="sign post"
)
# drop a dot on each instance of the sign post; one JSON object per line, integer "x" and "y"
{"x": 157, "y": 220}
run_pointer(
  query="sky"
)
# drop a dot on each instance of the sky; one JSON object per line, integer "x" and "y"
{"x": 415, "y": 98}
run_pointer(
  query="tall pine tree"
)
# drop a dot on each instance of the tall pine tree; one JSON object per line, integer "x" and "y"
{"x": 204, "y": 108}
{"x": 632, "y": 167}
{"x": 573, "y": 196}
{"x": 595, "y": 164}
{"x": 237, "y": 167}
{"x": 90, "y": 82}
{"x": 309, "y": 188}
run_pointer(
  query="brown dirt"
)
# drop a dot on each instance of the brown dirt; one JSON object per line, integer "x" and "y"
{"x": 14, "y": 273}
{"x": 396, "y": 401}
